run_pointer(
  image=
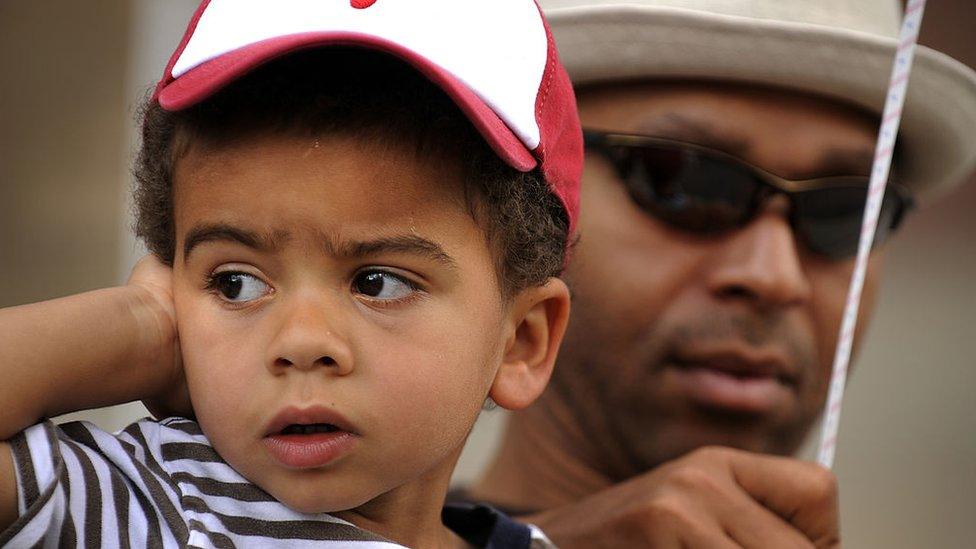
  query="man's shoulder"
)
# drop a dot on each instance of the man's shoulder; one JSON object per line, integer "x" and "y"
{"x": 485, "y": 526}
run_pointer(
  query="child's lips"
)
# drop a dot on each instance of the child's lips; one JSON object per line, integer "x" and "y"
{"x": 309, "y": 451}
{"x": 315, "y": 415}
{"x": 304, "y": 438}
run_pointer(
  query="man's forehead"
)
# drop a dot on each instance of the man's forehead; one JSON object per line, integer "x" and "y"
{"x": 784, "y": 131}
{"x": 701, "y": 129}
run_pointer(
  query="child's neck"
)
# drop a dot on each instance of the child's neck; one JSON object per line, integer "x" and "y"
{"x": 410, "y": 514}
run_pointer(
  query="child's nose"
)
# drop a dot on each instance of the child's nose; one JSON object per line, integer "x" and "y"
{"x": 306, "y": 364}
{"x": 307, "y": 340}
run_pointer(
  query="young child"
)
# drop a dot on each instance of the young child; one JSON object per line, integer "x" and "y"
{"x": 357, "y": 213}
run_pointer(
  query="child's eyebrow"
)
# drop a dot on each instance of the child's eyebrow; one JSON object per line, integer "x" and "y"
{"x": 224, "y": 232}
{"x": 403, "y": 244}
{"x": 407, "y": 244}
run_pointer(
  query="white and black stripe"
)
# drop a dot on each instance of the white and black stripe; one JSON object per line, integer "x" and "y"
{"x": 155, "y": 484}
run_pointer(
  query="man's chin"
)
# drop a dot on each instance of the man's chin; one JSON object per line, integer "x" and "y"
{"x": 705, "y": 427}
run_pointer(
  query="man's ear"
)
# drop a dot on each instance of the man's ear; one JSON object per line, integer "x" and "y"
{"x": 538, "y": 318}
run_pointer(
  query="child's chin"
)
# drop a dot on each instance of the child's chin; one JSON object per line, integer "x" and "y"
{"x": 313, "y": 500}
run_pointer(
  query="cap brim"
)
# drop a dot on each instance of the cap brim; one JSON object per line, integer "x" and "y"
{"x": 203, "y": 81}
{"x": 633, "y": 42}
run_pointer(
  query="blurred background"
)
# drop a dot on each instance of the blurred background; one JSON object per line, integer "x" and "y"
{"x": 73, "y": 73}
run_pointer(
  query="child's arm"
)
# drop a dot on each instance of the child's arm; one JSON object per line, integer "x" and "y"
{"x": 89, "y": 350}
{"x": 8, "y": 488}
{"x": 86, "y": 351}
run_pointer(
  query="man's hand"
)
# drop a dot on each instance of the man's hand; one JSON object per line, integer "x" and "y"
{"x": 711, "y": 498}
{"x": 153, "y": 283}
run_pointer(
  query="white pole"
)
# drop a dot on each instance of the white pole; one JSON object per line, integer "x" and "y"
{"x": 894, "y": 104}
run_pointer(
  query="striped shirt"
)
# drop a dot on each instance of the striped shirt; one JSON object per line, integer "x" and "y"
{"x": 154, "y": 485}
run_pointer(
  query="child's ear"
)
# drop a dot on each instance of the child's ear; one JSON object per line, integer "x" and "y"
{"x": 538, "y": 317}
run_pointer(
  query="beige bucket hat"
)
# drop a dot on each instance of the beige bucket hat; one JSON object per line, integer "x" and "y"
{"x": 835, "y": 48}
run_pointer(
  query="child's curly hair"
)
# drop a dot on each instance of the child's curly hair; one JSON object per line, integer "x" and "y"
{"x": 365, "y": 94}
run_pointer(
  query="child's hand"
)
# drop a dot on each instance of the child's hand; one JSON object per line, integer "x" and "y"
{"x": 153, "y": 281}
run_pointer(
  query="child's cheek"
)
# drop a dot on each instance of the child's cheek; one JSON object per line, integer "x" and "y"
{"x": 217, "y": 356}
{"x": 432, "y": 383}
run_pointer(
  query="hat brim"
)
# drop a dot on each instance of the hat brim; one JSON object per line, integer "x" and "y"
{"x": 205, "y": 80}
{"x": 604, "y": 43}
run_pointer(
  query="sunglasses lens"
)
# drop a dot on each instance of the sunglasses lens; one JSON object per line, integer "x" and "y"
{"x": 689, "y": 190}
{"x": 829, "y": 219}
{"x": 696, "y": 190}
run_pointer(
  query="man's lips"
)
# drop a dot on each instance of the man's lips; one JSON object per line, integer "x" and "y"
{"x": 734, "y": 377}
{"x": 308, "y": 438}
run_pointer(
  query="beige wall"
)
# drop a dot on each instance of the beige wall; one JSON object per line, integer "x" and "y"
{"x": 62, "y": 65}
{"x": 907, "y": 450}
{"x": 907, "y": 457}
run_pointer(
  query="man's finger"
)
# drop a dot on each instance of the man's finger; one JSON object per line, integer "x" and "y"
{"x": 754, "y": 526}
{"x": 802, "y": 493}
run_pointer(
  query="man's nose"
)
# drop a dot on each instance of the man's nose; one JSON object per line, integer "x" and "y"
{"x": 760, "y": 263}
{"x": 308, "y": 338}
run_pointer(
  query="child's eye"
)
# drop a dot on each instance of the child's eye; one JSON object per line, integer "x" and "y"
{"x": 383, "y": 285}
{"x": 238, "y": 287}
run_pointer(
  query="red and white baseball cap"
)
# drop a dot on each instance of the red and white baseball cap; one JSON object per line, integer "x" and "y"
{"x": 495, "y": 59}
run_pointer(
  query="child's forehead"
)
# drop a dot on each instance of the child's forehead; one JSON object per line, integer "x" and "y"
{"x": 369, "y": 149}
{"x": 334, "y": 244}
{"x": 341, "y": 194}
{"x": 331, "y": 168}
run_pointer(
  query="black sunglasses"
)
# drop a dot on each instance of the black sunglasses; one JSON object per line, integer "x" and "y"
{"x": 703, "y": 190}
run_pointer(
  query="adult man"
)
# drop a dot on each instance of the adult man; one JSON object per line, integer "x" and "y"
{"x": 706, "y": 299}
